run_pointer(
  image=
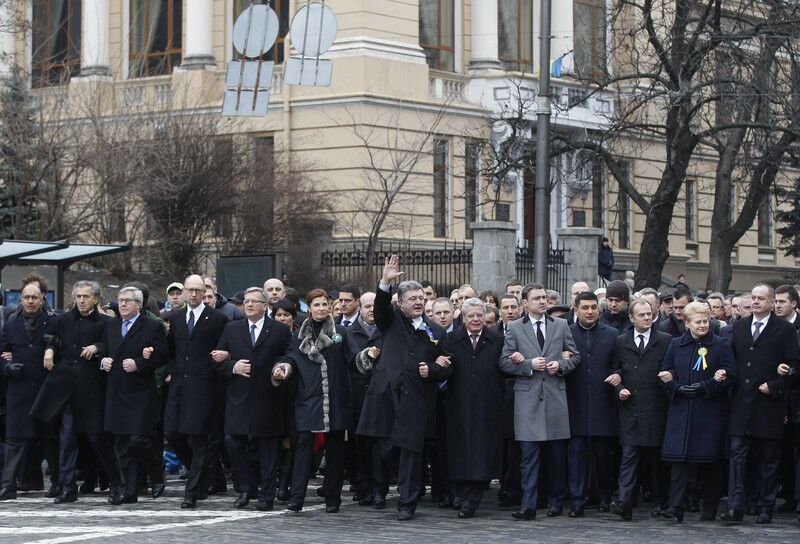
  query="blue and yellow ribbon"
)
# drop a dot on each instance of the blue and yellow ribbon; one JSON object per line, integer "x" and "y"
{"x": 701, "y": 360}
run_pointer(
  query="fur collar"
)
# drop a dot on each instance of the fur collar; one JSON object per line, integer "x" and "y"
{"x": 312, "y": 349}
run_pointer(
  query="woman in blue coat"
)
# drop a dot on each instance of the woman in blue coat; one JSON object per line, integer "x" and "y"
{"x": 697, "y": 370}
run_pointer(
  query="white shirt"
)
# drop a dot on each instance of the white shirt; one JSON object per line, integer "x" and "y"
{"x": 351, "y": 319}
{"x": 196, "y": 311}
{"x": 794, "y": 317}
{"x": 544, "y": 326}
{"x": 763, "y": 326}
{"x": 417, "y": 322}
{"x": 646, "y": 335}
{"x": 259, "y": 324}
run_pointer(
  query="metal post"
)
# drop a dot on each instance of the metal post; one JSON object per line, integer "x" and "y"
{"x": 541, "y": 219}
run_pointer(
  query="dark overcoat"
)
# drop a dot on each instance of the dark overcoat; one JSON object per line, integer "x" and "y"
{"x": 643, "y": 417}
{"x": 360, "y": 339}
{"x": 592, "y": 408}
{"x": 696, "y": 428}
{"x": 190, "y": 407}
{"x": 21, "y": 392}
{"x": 75, "y": 378}
{"x": 132, "y": 403}
{"x": 508, "y": 395}
{"x": 399, "y": 403}
{"x": 254, "y": 406}
{"x": 475, "y": 389}
{"x": 324, "y": 400}
{"x": 753, "y": 413}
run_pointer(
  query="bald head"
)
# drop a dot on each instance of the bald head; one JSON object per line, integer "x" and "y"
{"x": 274, "y": 289}
{"x": 577, "y": 288}
{"x": 194, "y": 288}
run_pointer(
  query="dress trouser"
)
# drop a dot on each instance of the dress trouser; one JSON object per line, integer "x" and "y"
{"x": 135, "y": 449}
{"x": 334, "y": 467}
{"x": 192, "y": 450}
{"x": 583, "y": 452}
{"x": 384, "y": 465}
{"x": 68, "y": 444}
{"x": 410, "y": 476}
{"x": 511, "y": 484}
{"x": 266, "y": 450}
{"x": 555, "y": 453}
{"x": 634, "y": 457}
{"x": 471, "y": 493}
{"x": 18, "y": 453}
{"x": 709, "y": 475}
{"x": 767, "y": 456}
{"x": 104, "y": 454}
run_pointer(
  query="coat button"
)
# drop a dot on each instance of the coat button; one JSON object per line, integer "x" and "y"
{"x": 749, "y": 364}
{"x": 635, "y": 366}
{"x": 747, "y": 381}
{"x": 752, "y": 348}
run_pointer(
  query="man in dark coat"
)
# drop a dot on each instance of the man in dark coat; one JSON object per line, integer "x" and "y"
{"x": 254, "y": 407}
{"x": 673, "y": 324}
{"x": 642, "y": 407}
{"x": 758, "y": 406}
{"x": 615, "y": 314}
{"x": 475, "y": 391}
{"x": 25, "y": 338}
{"x": 194, "y": 333}
{"x": 592, "y": 410}
{"x": 399, "y": 407}
{"x": 137, "y": 346}
{"x": 80, "y": 346}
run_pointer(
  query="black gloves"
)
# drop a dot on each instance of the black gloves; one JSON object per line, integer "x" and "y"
{"x": 689, "y": 391}
{"x": 14, "y": 370}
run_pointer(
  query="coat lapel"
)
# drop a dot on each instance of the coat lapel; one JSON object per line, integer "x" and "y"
{"x": 527, "y": 326}
{"x": 265, "y": 328}
{"x": 134, "y": 328}
{"x": 201, "y": 321}
{"x": 549, "y": 331}
{"x": 768, "y": 330}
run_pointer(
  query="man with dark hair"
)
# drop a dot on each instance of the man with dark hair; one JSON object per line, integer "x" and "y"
{"x": 514, "y": 287}
{"x": 673, "y": 325}
{"x": 616, "y": 313}
{"x": 348, "y": 305}
{"x": 786, "y": 298}
{"x": 428, "y": 290}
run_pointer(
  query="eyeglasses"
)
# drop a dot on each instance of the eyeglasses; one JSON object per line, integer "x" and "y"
{"x": 254, "y": 301}
{"x": 127, "y": 300}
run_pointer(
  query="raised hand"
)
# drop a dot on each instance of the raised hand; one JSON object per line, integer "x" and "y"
{"x": 391, "y": 269}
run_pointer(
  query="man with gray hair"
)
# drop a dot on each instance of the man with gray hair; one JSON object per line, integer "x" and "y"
{"x": 136, "y": 347}
{"x": 404, "y": 377}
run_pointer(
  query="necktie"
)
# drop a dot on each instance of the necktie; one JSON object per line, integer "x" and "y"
{"x": 253, "y": 334}
{"x": 190, "y": 324}
{"x": 641, "y": 343}
{"x": 540, "y": 334}
{"x": 757, "y": 332}
{"x": 125, "y": 326}
{"x": 346, "y": 323}
{"x": 474, "y": 340}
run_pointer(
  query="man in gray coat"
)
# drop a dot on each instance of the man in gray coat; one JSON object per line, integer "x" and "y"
{"x": 534, "y": 352}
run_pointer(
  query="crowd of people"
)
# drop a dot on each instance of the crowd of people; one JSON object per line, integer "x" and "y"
{"x": 609, "y": 401}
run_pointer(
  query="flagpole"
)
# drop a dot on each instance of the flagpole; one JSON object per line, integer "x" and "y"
{"x": 541, "y": 217}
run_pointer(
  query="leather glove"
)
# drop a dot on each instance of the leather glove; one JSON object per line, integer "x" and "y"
{"x": 14, "y": 370}
{"x": 689, "y": 391}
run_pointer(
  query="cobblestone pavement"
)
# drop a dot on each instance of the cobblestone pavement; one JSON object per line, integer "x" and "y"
{"x": 33, "y": 519}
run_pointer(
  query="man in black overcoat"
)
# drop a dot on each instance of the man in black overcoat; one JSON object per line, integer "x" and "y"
{"x": 254, "y": 407}
{"x": 642, "y": 407}
{"x": 194, "y": 333}
{"x": 25, "y": 338}
{"x": 400, "y": 403}
{"x": 758, "y": 406}
{"x": 74, "y": 393}
{"x": 137, "y": 346}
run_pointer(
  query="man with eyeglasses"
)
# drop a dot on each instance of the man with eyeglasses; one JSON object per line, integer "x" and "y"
{"x": 194, "y": 333}
{"x": 254, "y": 407}
{"x": 25, "y": 338}
{"x": 136, "y": 347}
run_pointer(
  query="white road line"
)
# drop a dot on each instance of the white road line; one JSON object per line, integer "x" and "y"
{"x": 233, "y": 514}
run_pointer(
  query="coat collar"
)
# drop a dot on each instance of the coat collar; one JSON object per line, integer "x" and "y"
{"x": 687, "y": 339}
{"x": 312, "y": 348}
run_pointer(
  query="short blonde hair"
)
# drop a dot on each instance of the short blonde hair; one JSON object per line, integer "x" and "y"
{"x": 696, "y": 307}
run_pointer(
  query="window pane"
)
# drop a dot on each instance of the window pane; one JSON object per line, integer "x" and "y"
{"x": 583, "y": 37}
{"x": 515, "y": 34}
{"x": 440, "y": 188}
{"x": 55, "y": 41}
{"x": 436, "y": 34}
{"x": 471, "y": 187}
{"x": 155, "y": 37}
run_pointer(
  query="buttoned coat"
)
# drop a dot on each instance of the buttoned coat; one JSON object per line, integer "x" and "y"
{"x": 190, "y": 407}
{"x": 254, "y": 406}
{"x": 754, "y": 413}
{"x": 643, "y": 416}
{"x": 592, "y": 409}
{"x": 541, "y": 412}
{"x": 132, "y": 404}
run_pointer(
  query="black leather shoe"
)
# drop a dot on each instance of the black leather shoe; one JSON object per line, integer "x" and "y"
{"x": 732, "y": 516}
{"x": 158, "y": 488}
{"x": 656, "y": 511}
{"x": 189, "y": 502}
{"x": 576, "y": 512}
{"x": 369, "y": 500}
{"x": 603, "y": 506}
{"x": 625, "y": 512}
{"x": 293, "y": 507}
{"x": 708, "y": 516}
{"x": 764, "y": 517}
{"x": 524, "y": 513}
{"x": 119, "y": 499}
{"x": 380, "y": 503}
{"x": 7, "y": 494}
{"x": 404, "y": 515}
{"x": 554, "y": 511}
{"x": 465, "y": 514}
{"x": 673, "y": 513}
{"x": 67, "y": 496}
{"x": 242, "y": 500}
{"x": 54, "y": 491}
{"x": 332, "y": 509}
{"x": 265, "y": 506}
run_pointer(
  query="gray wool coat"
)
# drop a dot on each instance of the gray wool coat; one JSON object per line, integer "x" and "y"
{"x": 540, "y": 400}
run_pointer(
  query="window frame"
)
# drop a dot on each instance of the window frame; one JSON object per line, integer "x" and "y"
{"x": 168, "y": 52}
{"x": 440, "y": 46}
{"x": 472, "y": 152}
{"x": 596, "y": 71}
{"x": 440, "y": 187}
{"x": 69, "y": 65}
{"x": 519, "y": 64}
{"x": 765, "y": 224}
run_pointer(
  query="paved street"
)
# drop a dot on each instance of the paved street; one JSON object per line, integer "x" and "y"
{"x": 33, "y": 519}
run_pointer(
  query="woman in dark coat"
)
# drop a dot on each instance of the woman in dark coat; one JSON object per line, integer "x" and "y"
{"x": 286, "y": 312}
{"x": 475, "y": 391}
{"x": 698, "y": 369}
{"x": 318, "y": 355}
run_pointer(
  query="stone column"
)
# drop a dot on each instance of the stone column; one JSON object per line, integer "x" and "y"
{"x": 494, "y": 261}
{"x": 198, "y": 51}
{"x": 7, "y": 39}
{"x": 582, "y": 245}
{"x": 94, "y": 38}
{"x": 562, "y": 29}
{"x": 483, "y": 55}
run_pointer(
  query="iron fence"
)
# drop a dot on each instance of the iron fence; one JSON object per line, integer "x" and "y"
{"x": 557, "y": 268}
